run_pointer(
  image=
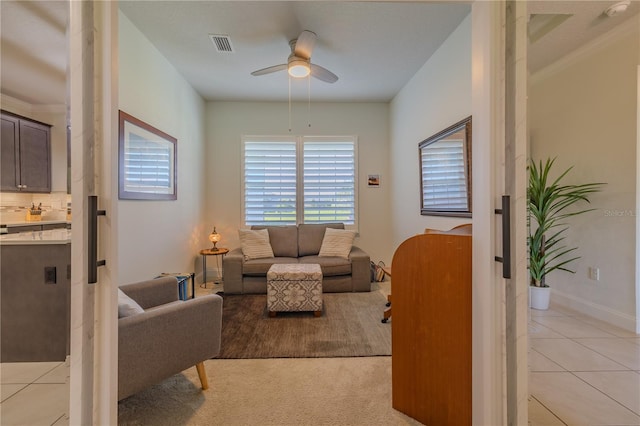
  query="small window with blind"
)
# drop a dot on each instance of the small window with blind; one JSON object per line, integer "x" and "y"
{"x": 147, "y": 161}
{"x": 445, "y": 171}
{"x": 303, "y": 179}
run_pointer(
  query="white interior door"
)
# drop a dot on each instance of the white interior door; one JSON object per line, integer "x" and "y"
{"x": 499, "y": 168}
{"x": 93, "y": 42}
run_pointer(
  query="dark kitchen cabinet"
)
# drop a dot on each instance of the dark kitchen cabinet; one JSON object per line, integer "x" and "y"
{"x": 25, "y": 155}
{"x": 15, "y": 229}
{"x": 35, "y": 302}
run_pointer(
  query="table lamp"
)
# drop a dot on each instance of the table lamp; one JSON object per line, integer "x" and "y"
{"x": 214, "y": 237}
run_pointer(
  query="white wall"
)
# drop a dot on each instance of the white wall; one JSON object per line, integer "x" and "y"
{"x": 584, "y": 113}
{"x": 161, "y": 236}
{"x": 438, "y": 96}
{"x": 228, "y": 121}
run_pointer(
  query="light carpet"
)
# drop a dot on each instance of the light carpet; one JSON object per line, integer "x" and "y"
{"x": 272, "y": 392}
{"x": 349, "y": 326}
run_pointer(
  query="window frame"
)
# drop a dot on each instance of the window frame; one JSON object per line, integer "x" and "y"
{"x": 130, "y": 128}
{"x": 299, "y": 143}
{"x": 464, "y": 125}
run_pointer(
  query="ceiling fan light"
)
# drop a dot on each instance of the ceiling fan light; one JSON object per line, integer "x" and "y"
{"x": 617, "y": 8}
{"x": 299, "y": 68}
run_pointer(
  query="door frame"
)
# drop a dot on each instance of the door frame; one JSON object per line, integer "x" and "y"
{"x": 93, "y": 36}
{"x": 93, "y": 53}
{"x": 499, "y": 310}
{"x": 638, "y": 201}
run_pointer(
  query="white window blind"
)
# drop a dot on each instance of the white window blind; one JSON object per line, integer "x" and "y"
{"x": 444, "y": 182}
{"x": 302, "y": 180}
{"x": 148, "y": 165}
{"x": 329, "y": 182}
{"x": 270, "y": 182}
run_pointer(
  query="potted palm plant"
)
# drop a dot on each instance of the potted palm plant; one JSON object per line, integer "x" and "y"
{"x": 548, "y": 201}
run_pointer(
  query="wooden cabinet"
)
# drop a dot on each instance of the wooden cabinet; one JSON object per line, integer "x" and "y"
{"x": 431, "y": 329}
{"x": 25, "y": 155}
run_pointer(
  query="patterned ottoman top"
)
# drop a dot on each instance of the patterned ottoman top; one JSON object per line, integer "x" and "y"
{"x": 294, "y": 271}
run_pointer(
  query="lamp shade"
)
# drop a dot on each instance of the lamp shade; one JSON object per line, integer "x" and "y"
{"x": 214, "y": 237}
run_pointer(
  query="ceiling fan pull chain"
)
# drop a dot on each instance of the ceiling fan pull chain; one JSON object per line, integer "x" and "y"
{"x": 309, "y": 99}
{"x": 289, "y": 104}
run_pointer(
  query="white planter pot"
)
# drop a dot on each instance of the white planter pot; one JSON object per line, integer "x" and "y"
{"x": 539, "y": 297}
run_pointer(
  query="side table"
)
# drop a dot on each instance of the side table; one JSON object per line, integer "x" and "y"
{"x": 211, "y": 252}
{"x": 182, "y": 277}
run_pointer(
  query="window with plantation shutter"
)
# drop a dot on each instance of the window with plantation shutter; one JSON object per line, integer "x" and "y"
{"x": 148, "y": 165}
{"x": 329, "y": 181}
{"x": 299, "y": 180}
{"x": 270, "y": 175}
{"x": 444, "y": 182}
{"x": 445, "y": 171}
{"x": 146, "y": 161}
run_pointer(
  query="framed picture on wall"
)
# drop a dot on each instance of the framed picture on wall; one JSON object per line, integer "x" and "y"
{"x": 147, "y": 161}
{"x": 373, "y": 181}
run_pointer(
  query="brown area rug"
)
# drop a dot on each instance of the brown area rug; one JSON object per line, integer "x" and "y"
{"x": 349, "y": 327}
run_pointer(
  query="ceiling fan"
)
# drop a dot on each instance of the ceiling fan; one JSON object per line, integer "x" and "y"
{"x": 299, "y": 63}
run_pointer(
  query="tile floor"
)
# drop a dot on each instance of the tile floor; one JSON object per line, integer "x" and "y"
{"x": 34, "y": 393}
{"x": 582, "y": 372}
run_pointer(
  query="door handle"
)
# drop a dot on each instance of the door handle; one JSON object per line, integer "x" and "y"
{"x": 93, "y": 213}
{"x": 505, "y": 211}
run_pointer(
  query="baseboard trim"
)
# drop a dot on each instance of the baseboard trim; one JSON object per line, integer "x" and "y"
{"x": 587, "y": 307}
{"x": 213, "y": 274}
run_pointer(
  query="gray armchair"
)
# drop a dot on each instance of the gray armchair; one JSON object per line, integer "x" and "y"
{"x": 168, "y": 337}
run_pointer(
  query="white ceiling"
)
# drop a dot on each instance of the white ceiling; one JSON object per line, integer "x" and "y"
{"x": 374, "y": 47}
{"x": 587, "y": 22}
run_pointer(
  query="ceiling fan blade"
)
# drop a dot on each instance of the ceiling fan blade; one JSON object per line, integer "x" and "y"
{"x": 323, "y": 74}
{"x": 304, "y": 44}
{"x": 269, "y": 70}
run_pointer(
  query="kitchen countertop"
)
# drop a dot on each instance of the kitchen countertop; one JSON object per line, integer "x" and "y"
{"x": 38, "y": 222}
{"x": 53, "y": 236}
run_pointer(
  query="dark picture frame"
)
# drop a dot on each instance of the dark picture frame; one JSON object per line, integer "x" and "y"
{"x": 445, "y": 171}
{"x": 147, "y": 161}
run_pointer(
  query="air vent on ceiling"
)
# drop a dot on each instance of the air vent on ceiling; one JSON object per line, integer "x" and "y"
{"x": 222, "y": 43}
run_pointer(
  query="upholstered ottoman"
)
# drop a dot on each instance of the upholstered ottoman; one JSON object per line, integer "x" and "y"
{"x": 294, "y": 287}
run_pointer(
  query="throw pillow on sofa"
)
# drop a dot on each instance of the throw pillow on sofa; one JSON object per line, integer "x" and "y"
{"x": 255, "y": 244}
{"x": 337, "y": 243}
{"x": 127, "y": 306}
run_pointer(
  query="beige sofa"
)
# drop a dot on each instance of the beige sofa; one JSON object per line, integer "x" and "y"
{"x": 297, "y": 244}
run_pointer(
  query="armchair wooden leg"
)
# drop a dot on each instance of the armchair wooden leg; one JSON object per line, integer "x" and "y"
{"x": 202, "y": 374}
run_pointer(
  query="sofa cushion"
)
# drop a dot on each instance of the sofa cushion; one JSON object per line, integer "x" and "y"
{"x": 255, "y": 244}
{"x": 283, "y": 239}
{"x": 331, "y": 266}
{"x": 259, "y": 267}
{"x": 310, "y": 237}
{"x": 127, "y": 306}
{"x": 337, "y": 242}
